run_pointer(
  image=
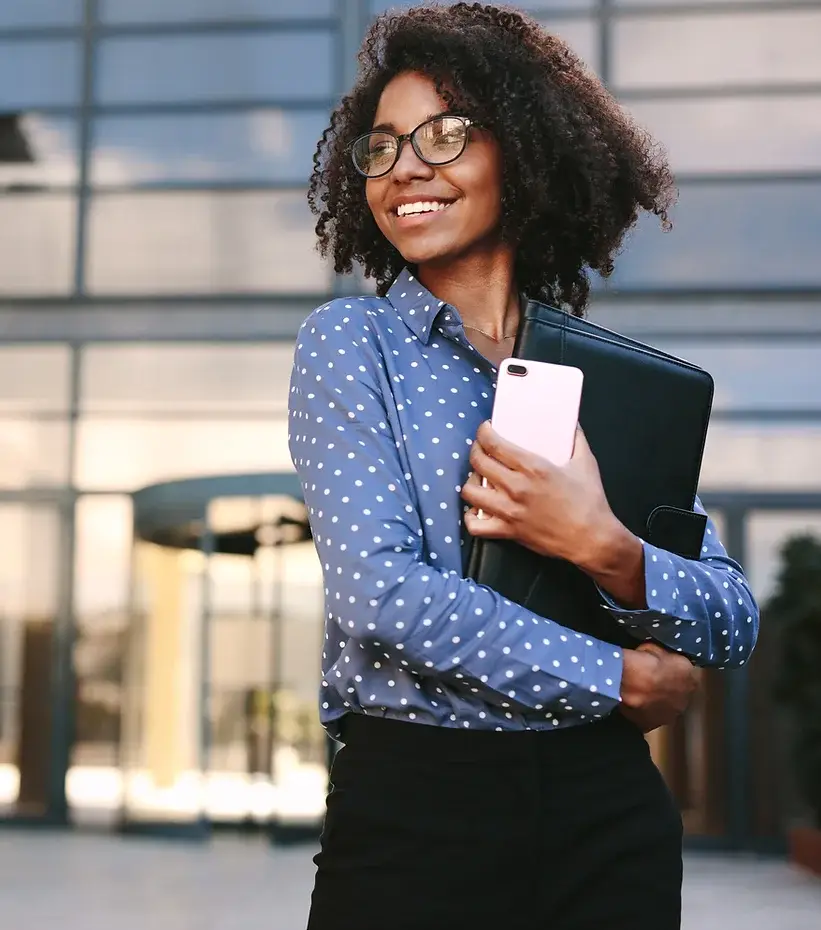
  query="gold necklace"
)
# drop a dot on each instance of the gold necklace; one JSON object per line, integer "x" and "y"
{"x": 488, "y": 335}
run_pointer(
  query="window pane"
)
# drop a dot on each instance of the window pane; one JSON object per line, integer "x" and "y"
{"x": 259, "y": 146}
{"x": 215, "y": 67}
{"x": 33, "y": 453}
{"x": 34, "y": 379}
{"x": 40, "y": 13}
{"x": 29, "y": 580}
{"x": 195, "y": 378}
{"x": 733, "y": 49}
{"x": 44, "y": 151}
{"x": 757, "y": 375}
{"x": 181, "y": 11}
{"x": 581, "y": 35}
{"x": 748, "y": 234}
{"x": 37, "y": 244}
{"x": 203, "y": 242}
{"x": 734, "y": 135}
{"x": 777, "y": 802}
{"x": 766, "y": 456}
{"x": 101, "y": 605}
{"x": 126, "y": 454}
{"x": 39, "y": 74}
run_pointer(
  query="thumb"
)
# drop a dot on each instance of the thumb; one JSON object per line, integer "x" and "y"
{"x": 581, "y": 447}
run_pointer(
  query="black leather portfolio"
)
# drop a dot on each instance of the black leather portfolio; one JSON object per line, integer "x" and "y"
{"x": 645, "y": 415}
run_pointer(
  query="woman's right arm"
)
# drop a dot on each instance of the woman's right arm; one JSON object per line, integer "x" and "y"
{"x": 369, "y": 539}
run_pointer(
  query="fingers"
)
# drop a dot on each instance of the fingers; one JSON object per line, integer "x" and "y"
{"x": 488, "y": 499}
{"x": 489, "y": 467}
{"x": 487, "y": 527}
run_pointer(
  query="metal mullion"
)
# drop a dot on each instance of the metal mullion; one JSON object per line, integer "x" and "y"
{"x": 41, "y": 33}
{"x": 211, "y": 107}
{"x": 85, "y": 141}
{"x": 718, "y": 8}
{"x": 153, "y": 301}
{"x": 747, "y": 177}
{"x": 604, "y": 11}
{"x": 709, "y": 91}
{"x": 219, "y": 187}
{"x": 736, "y": 707}
{"x": 763, "y": 499}
{"x": 215, "y": 27}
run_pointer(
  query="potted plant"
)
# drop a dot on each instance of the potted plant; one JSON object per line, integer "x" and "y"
{"x": 795, "y": 611}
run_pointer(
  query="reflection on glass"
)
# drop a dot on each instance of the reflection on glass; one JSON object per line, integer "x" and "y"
{"x": 33, "y": 452}
{"x": 765, "y": 47}
{"x": 742, "y": 233}
{"x": 29, "y": 574}
{"x": 39, "y": 73}
{"x": 126, "y": 454}
{"x": 257, "y": 146}
{"x": 757, "y": 375}
{"x": 183, "y": 11}
{"x": 203, "y": 242}
{"x": 691, "y": 752}
{"x": 735, "y": 135}
{"x": 37, "y": 238}
{"x": 297, "y": 65}
{"x": 34, "y": 379}
{"x": 267, "y": 753}
{"x": 16, "y": 13}
{"x": 776, "y": 801}
{"x": 39, "y": 151}
{"x": 161, "y": 739}
{"x": 101, "y": 589}
{"x": 200, "y": 378}
{"x": 770, "y": 456}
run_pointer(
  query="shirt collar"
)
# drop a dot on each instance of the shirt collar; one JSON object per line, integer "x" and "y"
{"x": 417, "y": 307}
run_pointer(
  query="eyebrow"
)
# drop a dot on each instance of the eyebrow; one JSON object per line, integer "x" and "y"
{"x": 389, "y": 127}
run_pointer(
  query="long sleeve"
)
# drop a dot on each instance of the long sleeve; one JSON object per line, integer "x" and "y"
{"x": 382, "y": 587}
{"x": 703, "y": 608}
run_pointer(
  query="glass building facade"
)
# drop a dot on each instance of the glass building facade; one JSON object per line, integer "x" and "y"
{"x": 156, "y": 259}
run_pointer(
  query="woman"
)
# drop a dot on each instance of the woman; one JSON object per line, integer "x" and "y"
{"x": 494, "y": 772}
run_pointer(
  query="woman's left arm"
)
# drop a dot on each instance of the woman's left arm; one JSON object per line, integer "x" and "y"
{"x": 702, "y": 608}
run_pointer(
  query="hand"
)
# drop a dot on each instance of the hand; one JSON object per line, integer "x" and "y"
{"x": 555, "y": 511}
{"x": 657, "y": 685}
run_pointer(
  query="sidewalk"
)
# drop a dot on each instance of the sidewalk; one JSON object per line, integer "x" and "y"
{"x": 52, "y": 881}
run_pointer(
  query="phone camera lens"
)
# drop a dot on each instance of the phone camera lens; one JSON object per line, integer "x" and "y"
{"x": 519, "y": 370}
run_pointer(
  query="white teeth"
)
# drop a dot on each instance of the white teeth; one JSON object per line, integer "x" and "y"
{"x": 421, "y": 206}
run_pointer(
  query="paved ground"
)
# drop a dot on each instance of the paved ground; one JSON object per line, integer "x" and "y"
{"x": 54, "y": 881}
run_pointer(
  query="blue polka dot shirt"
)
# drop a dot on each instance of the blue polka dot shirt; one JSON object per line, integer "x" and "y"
{"x": 385, "y": 400}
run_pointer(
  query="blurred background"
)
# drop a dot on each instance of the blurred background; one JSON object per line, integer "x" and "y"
{"x": 160, "y": 600}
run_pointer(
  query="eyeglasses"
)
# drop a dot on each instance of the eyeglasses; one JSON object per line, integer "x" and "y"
{"x": 437, "y": 141}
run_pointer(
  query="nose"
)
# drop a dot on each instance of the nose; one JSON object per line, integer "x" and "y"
{"x": 409, "y": 166}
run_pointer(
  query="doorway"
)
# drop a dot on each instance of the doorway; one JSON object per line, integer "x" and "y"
{"x": 36, "y": 682}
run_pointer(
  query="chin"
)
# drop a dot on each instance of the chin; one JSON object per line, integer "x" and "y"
{"x": 427, "y": 253}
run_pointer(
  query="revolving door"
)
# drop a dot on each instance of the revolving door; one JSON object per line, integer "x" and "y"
{"x": 221, "y": 673}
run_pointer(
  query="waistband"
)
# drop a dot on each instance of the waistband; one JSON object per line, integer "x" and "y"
{"x": 400, "y": 738}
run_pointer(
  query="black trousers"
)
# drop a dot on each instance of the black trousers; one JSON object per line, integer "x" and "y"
{"x": 429, "y": 828}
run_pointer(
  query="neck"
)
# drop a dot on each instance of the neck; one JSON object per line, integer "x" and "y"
{"x": 481, "y": 287}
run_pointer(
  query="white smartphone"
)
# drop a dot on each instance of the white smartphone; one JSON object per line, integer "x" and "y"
{"x": 536, "y": 406}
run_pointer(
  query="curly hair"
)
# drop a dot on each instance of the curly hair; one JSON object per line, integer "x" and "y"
{"x": 576, "y": 170}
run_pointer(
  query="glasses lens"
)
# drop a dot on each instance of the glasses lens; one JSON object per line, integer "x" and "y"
{"x": 374, "y": 153}
{"x": 442, "y": 139}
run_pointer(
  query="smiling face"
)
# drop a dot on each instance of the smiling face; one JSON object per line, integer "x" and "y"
{"x": 434, "y": 214}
